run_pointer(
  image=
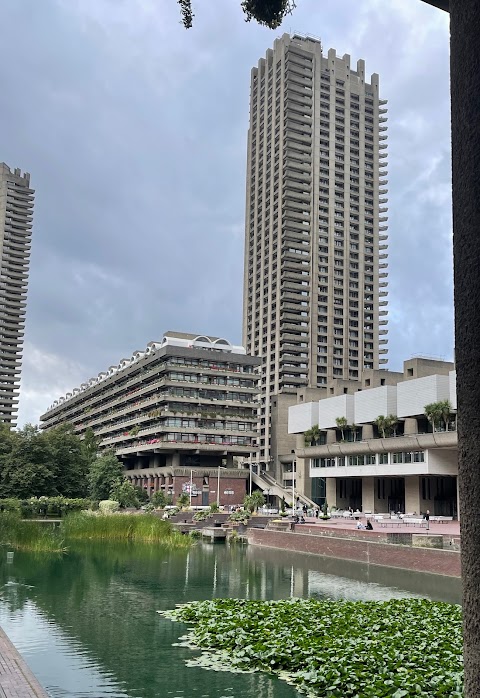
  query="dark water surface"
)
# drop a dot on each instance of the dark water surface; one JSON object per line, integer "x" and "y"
{"x": 87, "y": 624}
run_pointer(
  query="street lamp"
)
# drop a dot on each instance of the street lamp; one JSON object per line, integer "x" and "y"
{"x": 218, "y": 483}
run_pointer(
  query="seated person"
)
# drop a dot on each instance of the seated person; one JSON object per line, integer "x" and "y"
{"x": 369, "y": 526}
{"x": 360, "y": 525}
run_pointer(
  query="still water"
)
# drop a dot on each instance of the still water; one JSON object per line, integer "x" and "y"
{"x": 87, "y": 624}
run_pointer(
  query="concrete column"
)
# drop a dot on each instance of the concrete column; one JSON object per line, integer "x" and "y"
{"x": 175, "y": 460}
{"x": 331, "y": 436}
{"x": 367, "y": 432}
{"x": 412, "y": 494}
{"x": 410, "y": 426}
{"x": 331, "y": 491}
{"x": 465, "y": 95}
{"x": 229, "y": 459}
{"x": 368, "y": 494}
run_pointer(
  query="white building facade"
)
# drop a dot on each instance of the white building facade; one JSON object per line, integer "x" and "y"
{"x": 411, "y": 468}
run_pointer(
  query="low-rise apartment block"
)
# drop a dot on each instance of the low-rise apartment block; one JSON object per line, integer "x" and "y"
{"x": 407, "y": 465}
{"x": 176, "y": 413}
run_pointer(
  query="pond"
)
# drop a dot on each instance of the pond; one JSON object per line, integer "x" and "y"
{"x": 87, "y": 624}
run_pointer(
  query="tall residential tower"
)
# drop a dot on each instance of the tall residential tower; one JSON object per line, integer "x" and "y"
{"x": 315, "y": 242}
{"x": 16, "y": 214}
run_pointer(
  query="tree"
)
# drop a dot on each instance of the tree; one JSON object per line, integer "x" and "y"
{"x": 381, "y": 424}
{"x": 308, "y": 438}
{"x": 142, "y": 494}
{"x": 68, "y": 461}
{"x": 386, "y": 425}
{"x": 183, "y": 500}
{"x": 269, "y": 13}
{"x": 124, "y": 493}
{"x": 103, "y": 474}
{"x": 342, "y": 424}
{"x": 253, "y": 501}
{"x": 445, "y": 409}
{"x": 433, "y": 412}
{"x": 312, "y": 436}
{"x": 392, "y": 423}
{"x": 90, "y": 444}
{"x": 159, "y": 499}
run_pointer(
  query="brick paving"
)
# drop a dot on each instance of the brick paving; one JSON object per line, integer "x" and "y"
{"x": 16, "y": 679}
{"x": 450, "y": 528}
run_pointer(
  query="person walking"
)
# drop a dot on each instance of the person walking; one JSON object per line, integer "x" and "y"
{"x": 427, "y": 519}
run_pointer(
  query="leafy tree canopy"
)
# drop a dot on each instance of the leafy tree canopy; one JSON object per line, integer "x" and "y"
{"x": 269, "y": 13}
{"x": 104, "y": 473}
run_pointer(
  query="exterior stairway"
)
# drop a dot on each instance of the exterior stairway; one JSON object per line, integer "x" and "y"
{"x": 266, "y": 482}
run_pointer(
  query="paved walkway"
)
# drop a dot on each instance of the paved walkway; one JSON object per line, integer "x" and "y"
{"x": 16, "y": 679}
{"x": 450, "y": 528}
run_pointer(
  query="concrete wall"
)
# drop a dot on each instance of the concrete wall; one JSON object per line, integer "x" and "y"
{"x": 413, "y": 395}
{"x": 443, "y": 562}
{"x": 369, "y": 404}
{"x": 302, "y": 417}
{"x": 333, "y": 407}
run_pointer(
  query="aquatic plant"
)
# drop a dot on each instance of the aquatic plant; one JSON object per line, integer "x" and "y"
{"x": 342, "y": 649}
{"x": 128, "y": 527}
{"x": 29, "y": 535}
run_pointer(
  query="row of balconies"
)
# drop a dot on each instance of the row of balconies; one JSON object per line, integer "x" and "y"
{"x": 158, "y": 398}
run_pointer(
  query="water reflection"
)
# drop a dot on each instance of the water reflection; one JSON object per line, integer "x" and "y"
{"x": 88, "y": 626}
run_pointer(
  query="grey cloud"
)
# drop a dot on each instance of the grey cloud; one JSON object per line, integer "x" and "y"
{"x": 134, "y": 131}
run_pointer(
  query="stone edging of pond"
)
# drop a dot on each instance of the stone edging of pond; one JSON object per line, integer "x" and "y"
{"x": 432, "y": 560}
{"x": 16, "y": 679}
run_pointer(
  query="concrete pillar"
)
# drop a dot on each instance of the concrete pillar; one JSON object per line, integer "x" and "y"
{"x": 367, "y": 431}
{"x": 465, "y": 95}
{"x": 368, "y": 494}
{"x": 229, "y": 460}
{"x": 410, "y": 426}
{"x": 412, "y": 494}
{"x": 175, "y": 460}
{"x": 331, "y": 491}
{"x": 331, "y": 436}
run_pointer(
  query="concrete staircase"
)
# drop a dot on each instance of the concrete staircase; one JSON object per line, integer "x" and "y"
{"x": 266, "y": 482}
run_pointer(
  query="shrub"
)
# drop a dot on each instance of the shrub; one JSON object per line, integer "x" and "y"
{"x": 159, "y": 499}
{"x": 108, "y": 506}
{"x": 242, "y": 516}
{"x": 200, "y": 516}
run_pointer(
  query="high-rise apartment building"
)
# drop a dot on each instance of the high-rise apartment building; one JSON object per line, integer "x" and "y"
{"x": 16, "y": 215}
{"x": 315, "y": 244}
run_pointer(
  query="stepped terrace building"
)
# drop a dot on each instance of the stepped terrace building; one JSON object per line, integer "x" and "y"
{"x": 410, "y": 466}
{"x": 176, "y": 414}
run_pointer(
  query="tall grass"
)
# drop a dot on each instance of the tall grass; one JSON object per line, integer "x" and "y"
{"x": 29, "y": 535}
{"x": 128, "y": 527}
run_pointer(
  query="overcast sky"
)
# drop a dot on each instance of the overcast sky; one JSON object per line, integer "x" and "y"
{"x": 134, "y": 132}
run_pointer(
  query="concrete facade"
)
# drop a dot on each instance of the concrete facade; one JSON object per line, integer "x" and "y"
{"x": 315, "y": 243}
{"x": 410, "y": 468}
{"x": 16, "y": 216}
{"x": 186, "y": 402}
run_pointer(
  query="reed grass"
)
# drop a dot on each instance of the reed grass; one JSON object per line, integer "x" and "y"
{"x": 123, "y": 527}
{"x": 29, "y": 535}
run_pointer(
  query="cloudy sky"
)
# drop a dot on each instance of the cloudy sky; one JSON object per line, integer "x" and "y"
{"x": 134, "y": 132}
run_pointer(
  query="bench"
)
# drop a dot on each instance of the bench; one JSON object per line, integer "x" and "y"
{"x": 441, "y": 519}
